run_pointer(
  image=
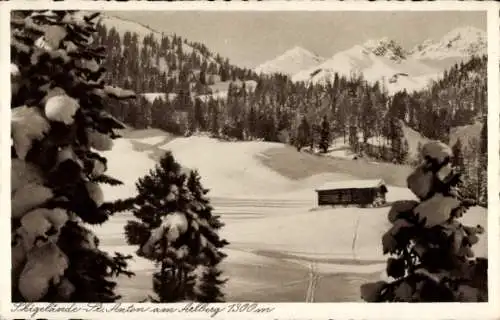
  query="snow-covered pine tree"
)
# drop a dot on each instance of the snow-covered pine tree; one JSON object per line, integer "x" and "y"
{"x": 432, "y": 258}
{"x": 58, "y": 124}
{"x": 161, "y": 208}
{"x": 177, "y": 231}
{"x": 206, "y": 277}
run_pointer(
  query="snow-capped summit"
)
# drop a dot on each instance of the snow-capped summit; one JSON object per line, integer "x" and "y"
{"x": 387, "y": 61}
{"x": 379, "y": 60}
{"x": 290, "y": 62}
{"x": 461, "y": 42}
{"x": 386, "y": 47}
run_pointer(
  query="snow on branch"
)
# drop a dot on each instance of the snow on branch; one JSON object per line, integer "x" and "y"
{"x": 119, "y": 93}
{"x": 27, "y": 124}
{"x": 14, "y": 70}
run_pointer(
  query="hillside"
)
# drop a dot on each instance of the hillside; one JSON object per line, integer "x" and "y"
{"x": 122, "y": 26}
{"x": 146, "y": 60}
{"x": 467, "y": 133}
{"x": 411, "y": 136}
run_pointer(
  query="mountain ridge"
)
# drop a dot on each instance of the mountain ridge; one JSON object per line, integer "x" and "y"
{"x": 386, "y": 61}
{"x": 474, "y": 42}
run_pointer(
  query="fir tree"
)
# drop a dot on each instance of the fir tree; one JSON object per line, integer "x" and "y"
{"x": 315, "y": 132}
{"x": 353, "y": 138}
{"x": 404, "y": 151}
{"x": 207, "y": 275}
{"x": 483, "y": 164}
{"x": 252, "y": 122}
{"x": 58, "y": 124}
{"x": 432, "y": 257}
{"x": 303, "y": 134}
{"x": 177, "y": 231}
{"x": 199, "y": 119}
{"x": 324, "y": 142}
{"x": 458, "y": 160}
{"x": 395, "y": 138}
{"x": 471, "y": 177}
{"x": 214, "y": 117}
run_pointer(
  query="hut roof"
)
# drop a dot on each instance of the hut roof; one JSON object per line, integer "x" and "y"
{"x": 352, "y": 184}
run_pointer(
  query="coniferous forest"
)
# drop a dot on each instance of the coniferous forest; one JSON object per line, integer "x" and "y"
{"x": 180, "y": 83}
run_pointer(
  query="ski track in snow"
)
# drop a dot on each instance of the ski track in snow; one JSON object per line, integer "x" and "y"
{"x": 268, "y": 217}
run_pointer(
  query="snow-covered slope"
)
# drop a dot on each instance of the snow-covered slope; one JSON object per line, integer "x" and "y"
{"x": 331, "y": 234}
{"x": 414, "y": 138}
{"x": 290, "y": 62}
{"x": 268, "y": 219}
{"x": 236, "y": 177}
{"x": 459, "y": 43}
{"x": 467, "y": 134}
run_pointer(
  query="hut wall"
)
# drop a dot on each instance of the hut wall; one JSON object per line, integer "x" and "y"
{"x": 348, "y": 196}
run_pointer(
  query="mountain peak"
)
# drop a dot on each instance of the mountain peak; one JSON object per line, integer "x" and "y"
{"x": 298, "y": 49}
{"x": 467, "y": 32}
{"x": 459, "y": 42}
{"x": 290, "y": 62}
{"x": 386, "y": 47}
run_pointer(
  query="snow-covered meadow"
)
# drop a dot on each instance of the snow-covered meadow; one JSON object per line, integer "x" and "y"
{"x": 277, "y": 235}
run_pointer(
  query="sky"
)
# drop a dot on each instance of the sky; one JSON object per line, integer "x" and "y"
{"x": 251, "y": 38}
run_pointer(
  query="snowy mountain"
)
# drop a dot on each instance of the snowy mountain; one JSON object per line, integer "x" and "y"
{"x": 386, "y": 48}
{"x": 382, "y": 60}
{"x": 458, "y": 43}
{"x": 290, "y": 62}
{"x": 387, "y": 61}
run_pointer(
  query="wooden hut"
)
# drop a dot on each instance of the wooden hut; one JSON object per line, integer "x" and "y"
{"x": 358, "y": 192}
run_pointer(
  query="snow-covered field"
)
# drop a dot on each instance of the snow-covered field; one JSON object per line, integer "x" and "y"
{"x": 276, "y": 234}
